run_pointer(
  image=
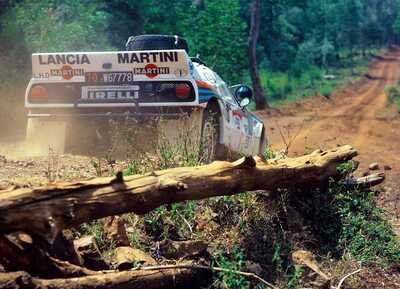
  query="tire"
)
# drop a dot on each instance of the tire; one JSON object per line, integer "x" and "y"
{"x": 156, "y": 42}
{"x": 210, "y": 132}
{"x": 263, "y": 143}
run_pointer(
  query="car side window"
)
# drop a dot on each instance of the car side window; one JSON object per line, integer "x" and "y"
{"x": 223, "y": 89}
{"x": 209, "y": 75}
{"x": 205, "y": 74}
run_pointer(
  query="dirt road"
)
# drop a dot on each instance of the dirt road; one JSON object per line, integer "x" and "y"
{"x": 358, "y": 115}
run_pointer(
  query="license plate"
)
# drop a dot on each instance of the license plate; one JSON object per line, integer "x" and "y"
{"x": 127, "y": 93}
{"x": 104, "y": 78}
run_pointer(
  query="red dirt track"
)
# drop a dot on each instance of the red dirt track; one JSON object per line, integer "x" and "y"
{"x": 358, "y": 115}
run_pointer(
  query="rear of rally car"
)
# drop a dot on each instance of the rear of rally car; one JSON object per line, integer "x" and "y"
{"x": 69, "y": 92}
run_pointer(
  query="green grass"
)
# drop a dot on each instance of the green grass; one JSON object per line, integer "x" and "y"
{"x": 354, "y": 225}
{"x": 393, "y": 95}
{"x": 234, "y": 261}
{"x": 364, "y": 233}
{"x": 284, "y": 87}
{"x": 334, "y": 223}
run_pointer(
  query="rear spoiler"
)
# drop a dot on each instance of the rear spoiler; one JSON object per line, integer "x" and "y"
{"x": 145, "y": 65}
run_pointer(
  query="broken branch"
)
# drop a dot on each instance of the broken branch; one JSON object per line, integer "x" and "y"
{"x": 47, "y": 210}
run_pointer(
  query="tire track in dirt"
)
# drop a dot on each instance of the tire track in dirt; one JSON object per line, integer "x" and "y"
{"x": 357, "y": 115}
{"x": 337, "y": 121}
{"x": 375, "y": 102}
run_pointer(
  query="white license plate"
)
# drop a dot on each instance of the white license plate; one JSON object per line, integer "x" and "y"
{"x": 110, "y": 93}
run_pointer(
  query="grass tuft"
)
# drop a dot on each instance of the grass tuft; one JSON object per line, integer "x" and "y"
{"x": 264, "y": 228}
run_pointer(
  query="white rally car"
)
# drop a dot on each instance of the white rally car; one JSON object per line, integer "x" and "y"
{"x": 154, "y": 77}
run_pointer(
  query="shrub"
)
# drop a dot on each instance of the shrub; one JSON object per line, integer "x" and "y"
{"x": 354, "y": 225}
{"x": 235, "y": 262}
{"x": 365, "y": 234}
{"x": 392, "y": 92}
{"x": 278, "y": 85}
{"x": 269, "y": 153}
{"x": 393, "y": 95}
{"x": 326, "y": 91}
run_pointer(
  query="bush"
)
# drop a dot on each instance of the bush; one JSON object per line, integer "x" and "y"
{"x": 336, "y": 222}
{"x": 352, "y": 224}
{"x": 393, "y": 95}
{"x": 326, "y": 91}
{"x": 58, "y": 25}
{"x": 392, "y": 92}
{"x": 365, "y": 234}
{"x": 235, "y": 262}
{"x": 278, "y": 85}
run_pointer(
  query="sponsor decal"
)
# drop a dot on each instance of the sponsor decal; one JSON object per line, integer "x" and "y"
{"x": 151, "y": 70}
{"x": 67, "y": 72}
{"x": 246, "y": 128}
{"x": 237, "y": 113}
{"x": 237, "y": 118}
{"x": 44, "y": 75}
{"x": 148, "y": 57}
{"x": 247, "y": 142}
{"x": 228, "y": 109}
{"x": 110, "y": 93}
{"x": 181, "y": 72}
{"x": 58, "y": 59}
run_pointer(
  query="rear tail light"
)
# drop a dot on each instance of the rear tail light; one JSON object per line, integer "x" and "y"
{"x": 38, "y": 94}
{"x": 183, "y": 90}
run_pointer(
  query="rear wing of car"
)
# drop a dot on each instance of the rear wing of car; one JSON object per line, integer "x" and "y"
{"x": 145, "y": 65}
{"x": 110, "y": 78}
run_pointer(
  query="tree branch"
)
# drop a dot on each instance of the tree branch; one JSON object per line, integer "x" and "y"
{"x": 47, "y": 210}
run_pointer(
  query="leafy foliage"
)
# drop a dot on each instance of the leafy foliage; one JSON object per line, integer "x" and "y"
{"x": 50, "y": 25}
{"x": 219, "y": 38}
{"x": 254, "y": 229}
{"x": 234, "y": 262}
{"x": 393, "y": 94}
{"x": 364, "y": 233}
{"x": 294, "y": 36}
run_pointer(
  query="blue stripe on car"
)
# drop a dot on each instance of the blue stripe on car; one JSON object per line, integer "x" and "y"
{"x": 205, "y": 95}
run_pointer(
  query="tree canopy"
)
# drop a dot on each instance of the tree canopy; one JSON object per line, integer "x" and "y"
{"x": 294, "y": 35}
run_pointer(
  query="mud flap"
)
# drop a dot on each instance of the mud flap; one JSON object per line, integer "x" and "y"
{"x": 44, "y": 135}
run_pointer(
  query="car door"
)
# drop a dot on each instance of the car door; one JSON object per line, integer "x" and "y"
{"x": 248, "y": 144}
{"x": 253, "y": 133}
{"x": 234, "y": 118}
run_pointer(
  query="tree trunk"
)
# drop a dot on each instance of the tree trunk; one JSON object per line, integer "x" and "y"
{"x": 260, "y": 99}
{"x": 46, "y": 211}
{"x": 171, "y": 278}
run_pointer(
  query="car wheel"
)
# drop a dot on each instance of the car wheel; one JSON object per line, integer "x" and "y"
{"x": 263, "y": 143}
{"x": 156, "y": 42}
{"x": 209, "y": 136}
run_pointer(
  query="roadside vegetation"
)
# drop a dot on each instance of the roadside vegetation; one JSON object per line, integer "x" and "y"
{"x": 341, "y": 226}
{"x": 283, "y": 87}
{"x": 393, "y": 95}
{"x": 306, "y": 48}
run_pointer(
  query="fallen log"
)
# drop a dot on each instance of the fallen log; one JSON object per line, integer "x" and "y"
{"x": 152, "y": 279}
{"x": 47, "y": 210}
{"x": 365, "y": 182}
{"x": 18, "y": 252}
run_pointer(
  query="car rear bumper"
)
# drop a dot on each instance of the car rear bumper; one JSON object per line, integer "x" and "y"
{"x": 142, "y": 113}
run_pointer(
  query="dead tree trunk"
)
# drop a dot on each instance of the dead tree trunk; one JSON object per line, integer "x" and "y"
{"x": 172, "y": 278}
{"x": 261, "y": 102}
{"x": 45, "y": 211}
